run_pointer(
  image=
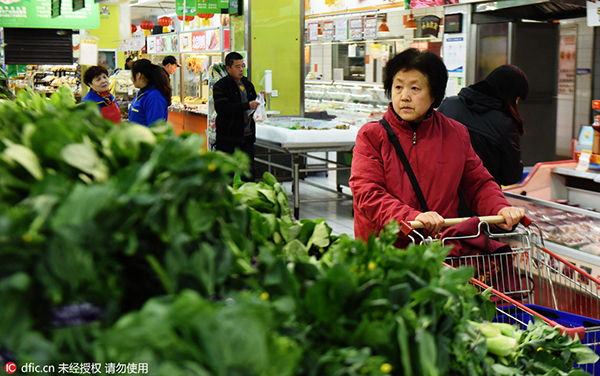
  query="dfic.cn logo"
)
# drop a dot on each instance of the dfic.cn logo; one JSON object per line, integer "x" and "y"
{"x": 10, "y": 367}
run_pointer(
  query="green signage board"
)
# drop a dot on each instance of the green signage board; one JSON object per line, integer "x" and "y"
{"x": 190, "y": 7}
{"x": 38, "y": 14}
{"x": 212, "y": 6}
{"x": 208, "y": 6}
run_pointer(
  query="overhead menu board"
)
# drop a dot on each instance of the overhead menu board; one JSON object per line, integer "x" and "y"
{"x": 38, "y": 14}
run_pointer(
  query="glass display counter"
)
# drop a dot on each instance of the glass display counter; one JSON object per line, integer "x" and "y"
{"x": 568, "y": 231}
{"x": 354, "y": 103}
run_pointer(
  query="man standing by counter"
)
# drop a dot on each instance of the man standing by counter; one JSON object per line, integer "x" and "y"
{"x": 235, "y": 102}
{"x": 170, "y": 64}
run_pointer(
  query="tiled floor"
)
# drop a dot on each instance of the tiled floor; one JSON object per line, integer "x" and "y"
{"x": 338, "y": 214}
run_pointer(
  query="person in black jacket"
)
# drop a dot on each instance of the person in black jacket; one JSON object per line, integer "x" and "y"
{"x": 235, "y": 102}
{"x": 489, "y": 111}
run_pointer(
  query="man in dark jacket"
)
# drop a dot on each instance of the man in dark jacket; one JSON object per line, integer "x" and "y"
{"x": 235, "y": 102}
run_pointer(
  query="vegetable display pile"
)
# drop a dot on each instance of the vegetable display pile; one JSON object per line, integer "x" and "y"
{"x": 127, "y": 244}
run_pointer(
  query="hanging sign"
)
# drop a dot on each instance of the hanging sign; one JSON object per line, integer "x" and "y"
{"x": 341, "y": 29}
{"x": 88, "y": 52}
{"x": 328, "y": 30}
{"x": 376, "y": 52}
{"x": 430, "y": 25}
{"x": 38, "y": 14}
{"x": 209, "y": 6}
{"x": 312, "y": 32}
{"x": 190, "y": 8}
{"x": 370, "y": 27}
{"x": 356, "y": 26}
{"x": 592, "y": 13}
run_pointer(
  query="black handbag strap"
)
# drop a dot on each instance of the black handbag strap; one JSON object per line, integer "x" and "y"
{"x": 411, "y": 175}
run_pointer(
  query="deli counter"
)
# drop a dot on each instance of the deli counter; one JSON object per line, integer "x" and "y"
{"x": 564, "y": 203}
{"x": 351, "y": 102}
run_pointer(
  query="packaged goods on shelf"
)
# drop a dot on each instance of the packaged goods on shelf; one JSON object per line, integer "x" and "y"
{"x": 47, "y": 78}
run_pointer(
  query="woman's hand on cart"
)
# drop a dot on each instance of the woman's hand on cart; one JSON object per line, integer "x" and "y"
{"x": 512, "y": 216}
{"x": 431, "y": 221}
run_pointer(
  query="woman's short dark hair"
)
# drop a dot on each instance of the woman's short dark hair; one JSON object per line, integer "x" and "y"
{"x": 155, "y": 75}
{"x": 510, "y": 83}
{"x": 93, "y": 72}
{"x": 426, "y": 62}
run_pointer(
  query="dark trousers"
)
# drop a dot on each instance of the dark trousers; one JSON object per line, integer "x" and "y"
{"x": 247, "y": 147}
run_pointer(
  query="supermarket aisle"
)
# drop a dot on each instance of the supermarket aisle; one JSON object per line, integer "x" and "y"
{"x": 338, "y": 214}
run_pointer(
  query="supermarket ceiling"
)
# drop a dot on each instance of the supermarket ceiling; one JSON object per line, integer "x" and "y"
{"x": 141, "y": 8}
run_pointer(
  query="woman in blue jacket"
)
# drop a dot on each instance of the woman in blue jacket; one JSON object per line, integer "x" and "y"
{"x": 154, "y": 97}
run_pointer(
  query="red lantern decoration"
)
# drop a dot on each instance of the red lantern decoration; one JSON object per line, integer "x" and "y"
{"x": 206, "y": 18}
{"x": 147, "y": 25}
{"x": 133, "y": 28}
{"x": 165, "y": 22}
{"x": 187, "y": 18}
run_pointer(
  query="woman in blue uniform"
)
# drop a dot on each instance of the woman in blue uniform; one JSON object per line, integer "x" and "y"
{"x": 154, "y": 97}
{"x": 96, "y": 78}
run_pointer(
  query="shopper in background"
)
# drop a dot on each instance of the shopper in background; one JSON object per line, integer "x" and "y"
{"x": 235, "y": 102}
{"x": 489, "y": 111}
{"x": 128, "y": 63}
{"x": 170, "y": 64}
{"x": 154, "y": 97}
{"x": 96, "y": 78}
{"x": 437, "y": 148}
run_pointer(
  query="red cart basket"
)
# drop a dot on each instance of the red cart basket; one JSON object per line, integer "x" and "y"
{"x": 526, "y": 280}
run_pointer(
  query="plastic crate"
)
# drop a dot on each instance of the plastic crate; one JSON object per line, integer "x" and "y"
{"x": 592, "y": 326}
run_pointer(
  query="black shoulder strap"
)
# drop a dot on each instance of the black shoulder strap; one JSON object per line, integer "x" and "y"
{"x": 411, "y": 175}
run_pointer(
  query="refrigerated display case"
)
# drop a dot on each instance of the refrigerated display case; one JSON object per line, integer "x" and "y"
{"x": 354, "y": 103}
{"x": 569, "y": 231}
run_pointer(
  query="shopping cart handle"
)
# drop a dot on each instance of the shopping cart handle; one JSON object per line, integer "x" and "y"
{"x": 572, "y": 332}
{"x": 454, "y": 221}
{"x": 492, "y": 219}
{"x": 525, "y": 221}
{"x": 406, "y": 228}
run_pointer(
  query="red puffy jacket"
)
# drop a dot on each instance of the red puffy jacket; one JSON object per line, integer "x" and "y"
{"x": 442, "y": 159}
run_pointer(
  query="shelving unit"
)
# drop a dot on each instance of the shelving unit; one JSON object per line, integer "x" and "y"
{"x": 48, "y": 78}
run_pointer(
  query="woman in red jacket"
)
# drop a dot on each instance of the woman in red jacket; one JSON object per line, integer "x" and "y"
{"x": 96, "y": 78}
{"x": 437, "y": 148}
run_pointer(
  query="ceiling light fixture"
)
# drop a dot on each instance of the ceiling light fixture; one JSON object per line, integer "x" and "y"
{"x": 383, "y": 28}
{"x": 411, "y": 24}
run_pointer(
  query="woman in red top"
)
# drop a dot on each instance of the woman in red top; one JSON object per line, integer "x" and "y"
{"x": 437, "y": 148}
{"x": 96, "y": 78}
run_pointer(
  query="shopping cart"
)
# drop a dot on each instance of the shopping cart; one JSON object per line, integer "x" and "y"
{"x": 542, "y": 283}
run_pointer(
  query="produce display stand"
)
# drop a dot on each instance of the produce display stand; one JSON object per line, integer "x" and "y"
{"x": 549, "y": 287}
{"x": 298, "y": 143}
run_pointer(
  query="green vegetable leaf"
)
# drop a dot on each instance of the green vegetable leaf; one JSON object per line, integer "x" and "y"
{"x": 23, "y": 156}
